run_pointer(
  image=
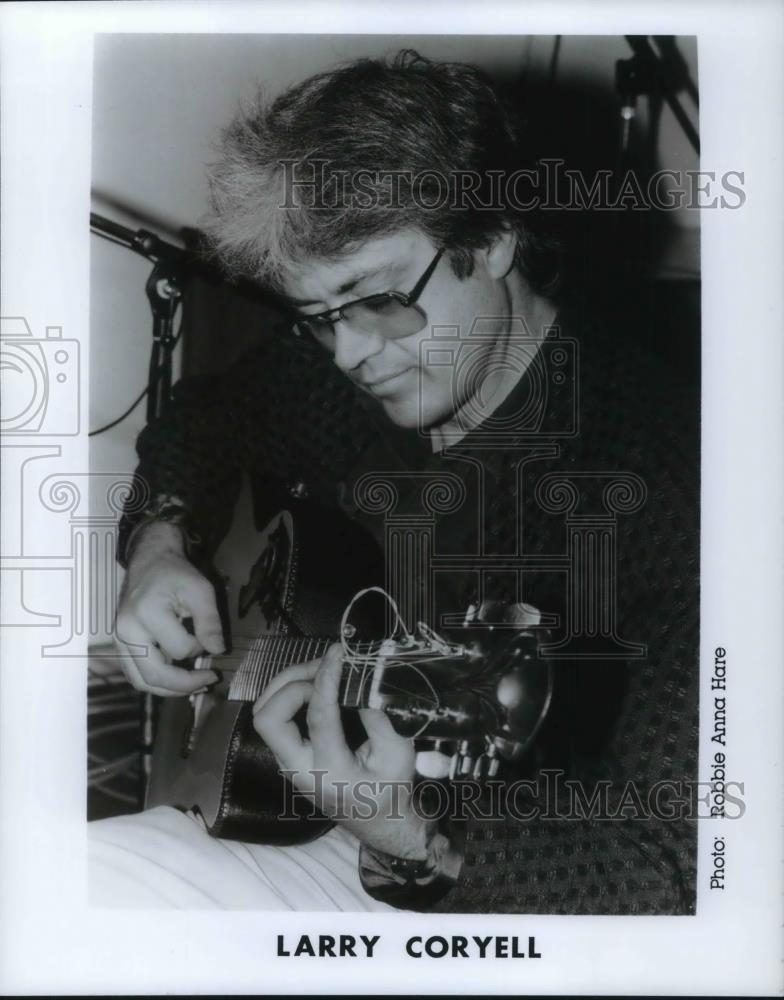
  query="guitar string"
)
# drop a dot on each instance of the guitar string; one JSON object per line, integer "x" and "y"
{"x": 257, "y": 670}
{"x": 352, "y": 655}
{"x": 251, "y": 660}
{"x": 250, "y": 678}
{"x": 251, "y": 693}
{"x": 278, "y": 655}
{"x": 262, "y": 670}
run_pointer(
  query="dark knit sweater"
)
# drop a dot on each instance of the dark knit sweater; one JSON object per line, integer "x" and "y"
{"x": 286, "y": 415}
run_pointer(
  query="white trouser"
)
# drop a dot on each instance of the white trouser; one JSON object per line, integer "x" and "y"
{"x": 163, "y": 858}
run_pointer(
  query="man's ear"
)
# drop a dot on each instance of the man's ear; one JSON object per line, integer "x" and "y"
{"x": 500, "y": 255}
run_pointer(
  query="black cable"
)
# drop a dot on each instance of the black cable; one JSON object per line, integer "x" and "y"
{"x": 119, "y": 420}
{"x": 140, "y": 397}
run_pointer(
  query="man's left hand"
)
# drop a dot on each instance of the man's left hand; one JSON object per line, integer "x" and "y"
{"x": 381, "y": 770}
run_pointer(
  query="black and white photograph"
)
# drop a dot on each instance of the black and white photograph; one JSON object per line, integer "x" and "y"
{"x": 394, "y": 558}
{"x": 508, "y": 456}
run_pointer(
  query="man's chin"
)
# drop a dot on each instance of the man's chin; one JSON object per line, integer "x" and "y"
{"x": 406, "y": 414}
{"x": 410, "y": 416}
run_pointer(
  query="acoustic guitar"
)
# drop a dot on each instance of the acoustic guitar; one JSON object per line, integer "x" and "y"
{"x": 477, "y": 693}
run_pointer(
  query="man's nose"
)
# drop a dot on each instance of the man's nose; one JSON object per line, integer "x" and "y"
{"x": 353, "y": 346}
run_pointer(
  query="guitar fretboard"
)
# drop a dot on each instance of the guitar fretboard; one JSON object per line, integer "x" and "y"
{"x": 265, "y": 657}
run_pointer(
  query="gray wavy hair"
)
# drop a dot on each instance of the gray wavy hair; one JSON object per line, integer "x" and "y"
{"x": 405, "y": 134}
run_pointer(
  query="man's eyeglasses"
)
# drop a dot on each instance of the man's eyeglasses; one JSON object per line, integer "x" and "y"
{"x": 392, "y": 314}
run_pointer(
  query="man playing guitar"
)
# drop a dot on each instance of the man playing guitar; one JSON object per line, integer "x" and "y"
{"x": 391, "y": 285}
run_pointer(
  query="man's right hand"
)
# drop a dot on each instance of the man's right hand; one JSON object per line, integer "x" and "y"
{"x": 161, "y": 588}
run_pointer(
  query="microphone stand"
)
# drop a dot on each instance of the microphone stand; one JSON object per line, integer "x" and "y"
{"x": 164, "y": 293}
{"x": 646, "y": 72}
{"x": 661, "y": 77}
{"x": 171, "y": 268}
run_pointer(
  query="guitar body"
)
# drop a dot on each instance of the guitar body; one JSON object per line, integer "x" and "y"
{"x": 208, "y": 758}
{"x": 285, "y": 579}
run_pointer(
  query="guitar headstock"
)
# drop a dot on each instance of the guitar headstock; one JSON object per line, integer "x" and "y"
{"x": 477, "y": 694}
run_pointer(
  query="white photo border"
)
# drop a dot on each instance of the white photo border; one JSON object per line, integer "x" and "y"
{"x": 51, "y": 941}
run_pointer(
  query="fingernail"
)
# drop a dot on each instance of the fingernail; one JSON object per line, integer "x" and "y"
{"x": 218, "y": 677}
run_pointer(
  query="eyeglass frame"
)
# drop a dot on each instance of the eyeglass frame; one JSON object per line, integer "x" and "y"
{"x": 405, "y": 299}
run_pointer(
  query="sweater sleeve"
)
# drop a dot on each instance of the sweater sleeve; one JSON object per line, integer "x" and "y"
{"x": 193, "y": 455}
{"x": 282, "y": 414}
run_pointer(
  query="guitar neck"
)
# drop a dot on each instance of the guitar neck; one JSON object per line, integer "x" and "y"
{"x": 264, "y": 658}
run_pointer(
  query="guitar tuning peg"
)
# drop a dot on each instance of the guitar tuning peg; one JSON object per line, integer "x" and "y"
{"x": 466, "y": 760}
{"x": 460, "y": 765}
{"x": 486, "y": 767}
{"x": 466, "y": 763}
{"x": 487, "y": 763}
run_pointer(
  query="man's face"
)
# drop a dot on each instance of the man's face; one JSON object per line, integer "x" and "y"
{"x": 413, "y": 391}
